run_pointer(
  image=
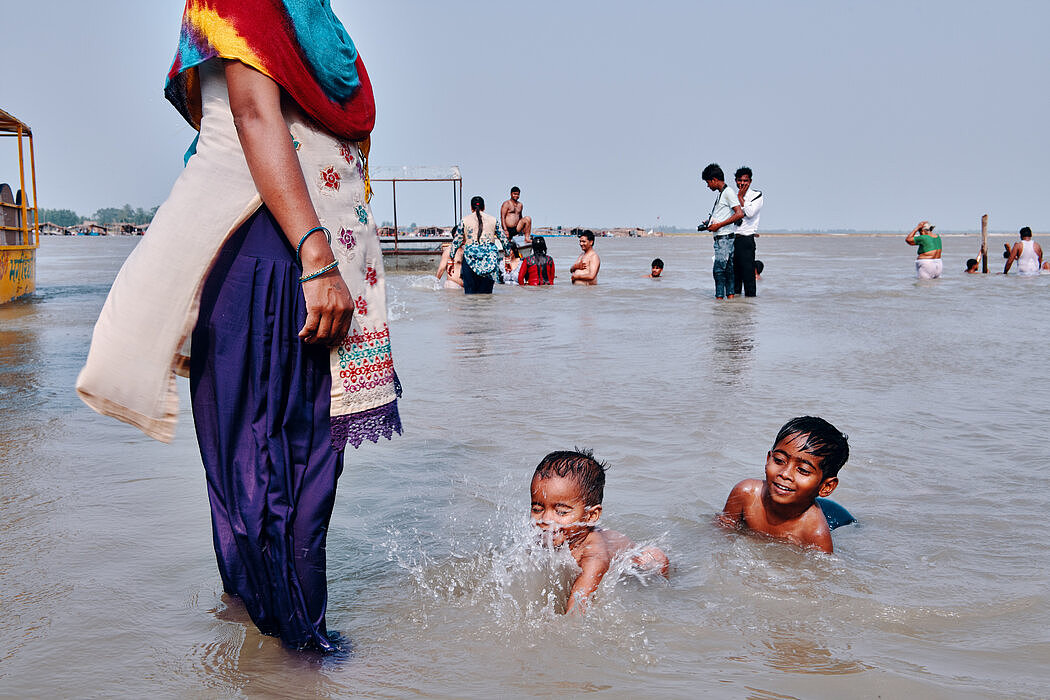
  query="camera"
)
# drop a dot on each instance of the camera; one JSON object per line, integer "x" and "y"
{"x": 703, "y": 225}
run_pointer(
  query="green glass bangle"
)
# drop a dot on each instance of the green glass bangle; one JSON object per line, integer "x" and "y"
{"x": 299, "y": 248}
{"x": 327, "y": 268}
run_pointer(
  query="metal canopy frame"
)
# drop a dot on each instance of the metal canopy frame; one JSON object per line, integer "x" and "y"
{"x": 395, "y": 175}
{"x": 11, "y": 126}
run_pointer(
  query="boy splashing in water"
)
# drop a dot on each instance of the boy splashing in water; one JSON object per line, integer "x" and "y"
{"x": 803, "y": 464}
{"x": 567, "y": 491}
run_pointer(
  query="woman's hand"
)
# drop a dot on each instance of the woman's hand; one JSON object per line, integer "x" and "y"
{"x": 329, "y": 309}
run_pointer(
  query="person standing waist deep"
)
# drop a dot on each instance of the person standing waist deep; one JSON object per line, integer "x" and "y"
{"x": 537, "y": 269}
{"x": 928, "y": 263}
{"x": 1027, "y": 253}
{"x": 725, "y": 211}
{"x": 751, "y": 202}
{"x": 479, "y": 244}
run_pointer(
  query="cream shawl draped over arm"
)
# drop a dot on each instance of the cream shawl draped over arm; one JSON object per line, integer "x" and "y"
{"x": 141, "y": 337}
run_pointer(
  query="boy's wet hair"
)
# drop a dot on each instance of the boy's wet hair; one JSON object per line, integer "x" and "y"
{"x": 657, "y": 262}
{"x": 580, "y": 466}
{"x": 821, "y": 439}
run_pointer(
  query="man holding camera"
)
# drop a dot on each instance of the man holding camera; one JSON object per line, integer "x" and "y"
{"x": 726, "y": 211}
{"x": 747, "y": 229}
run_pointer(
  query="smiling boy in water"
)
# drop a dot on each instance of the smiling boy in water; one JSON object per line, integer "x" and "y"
{"x": 567, "y": 491}
{"x": 803, "y": 464}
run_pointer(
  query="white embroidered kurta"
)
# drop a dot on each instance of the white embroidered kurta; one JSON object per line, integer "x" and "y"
{"x": 142, "y": 335}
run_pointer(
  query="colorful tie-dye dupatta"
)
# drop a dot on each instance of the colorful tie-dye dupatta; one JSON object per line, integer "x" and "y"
{"x": 301, "y": 44}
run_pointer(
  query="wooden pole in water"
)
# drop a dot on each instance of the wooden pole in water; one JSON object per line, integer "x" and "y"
{"x": 984, "y": 244}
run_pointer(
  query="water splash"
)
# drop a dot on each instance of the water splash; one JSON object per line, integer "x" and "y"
{"x": 503, "y": 585}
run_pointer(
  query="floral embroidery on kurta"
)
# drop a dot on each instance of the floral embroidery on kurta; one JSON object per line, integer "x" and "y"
{"x": 344, "y": 151}
{"x": 365, "y": 363}
{"x": 330, "y": 178}
{"x": 347, "y": 238}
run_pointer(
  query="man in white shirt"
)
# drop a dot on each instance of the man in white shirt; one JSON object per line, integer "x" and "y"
{"x": 726, "y": 211}
{"x": 747, "y": 229}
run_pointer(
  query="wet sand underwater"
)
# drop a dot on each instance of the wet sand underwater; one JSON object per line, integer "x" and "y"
{"x": 109, "y": 585}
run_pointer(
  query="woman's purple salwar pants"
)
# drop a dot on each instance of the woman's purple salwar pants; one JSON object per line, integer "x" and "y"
{"x": 261, "y": 410}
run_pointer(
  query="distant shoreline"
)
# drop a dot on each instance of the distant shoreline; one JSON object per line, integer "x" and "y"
{"x": 607, "y": 233}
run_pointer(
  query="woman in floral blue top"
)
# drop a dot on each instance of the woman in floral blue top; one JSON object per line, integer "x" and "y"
{"x": 479, "y": 244}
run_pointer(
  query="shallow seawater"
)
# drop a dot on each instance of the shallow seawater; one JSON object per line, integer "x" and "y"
{"x": 108, "y": 584}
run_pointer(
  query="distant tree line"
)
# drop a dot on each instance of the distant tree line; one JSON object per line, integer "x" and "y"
{"x": 60, "y": 217}
{"x": 104, "y": 216}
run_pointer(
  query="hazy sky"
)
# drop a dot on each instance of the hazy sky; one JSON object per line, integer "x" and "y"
{"x": 853, "y": 115}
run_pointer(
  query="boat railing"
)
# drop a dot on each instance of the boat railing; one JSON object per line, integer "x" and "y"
{"x": 19, "y": 225}
{"x": 19, "y": 220}
{"x": 15, "y": 228}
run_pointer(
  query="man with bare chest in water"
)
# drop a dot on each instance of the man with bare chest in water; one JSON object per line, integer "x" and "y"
{"x": 513, "y": 222}
{"x": 585, "y": 269}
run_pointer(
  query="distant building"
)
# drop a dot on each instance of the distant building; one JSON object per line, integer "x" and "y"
{"x": 89, "y": 228}
{"x": 49, "y": 229}
{"x": 125, "y": 229}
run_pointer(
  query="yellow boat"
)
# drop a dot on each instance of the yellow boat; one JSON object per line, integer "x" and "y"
{"x": 19, "y": 222}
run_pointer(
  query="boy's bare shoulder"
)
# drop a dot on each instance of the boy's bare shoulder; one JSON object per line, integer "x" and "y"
{"x": 596, "y": 553}
{"x": 603, "y": 545}
{"x": 743, "y": 496}
{"x": 811, "y": 529}
{"x": 751, "y": 487}
{"x": 615, "y": 542}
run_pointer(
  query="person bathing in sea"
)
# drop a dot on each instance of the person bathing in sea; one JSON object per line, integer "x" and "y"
{"x": 585, "y": 269}
{"x": 1027, "y": 253}
{"x": 804, "y": 463}
{"x": 477, "y": 248}
{"x": 449, "y": 269}
{"x": 567, "y": 491}
{"x": 511, "y": 263}
{"x": 657, "y": 268}
{"x": 928, "y": 264}
{"x": 538, "y": 269}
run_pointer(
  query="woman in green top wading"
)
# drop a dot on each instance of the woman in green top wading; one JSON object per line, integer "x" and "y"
{"x": 928, "y": 265}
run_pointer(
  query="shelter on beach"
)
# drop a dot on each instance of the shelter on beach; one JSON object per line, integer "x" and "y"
{"x": 427, "y": 240}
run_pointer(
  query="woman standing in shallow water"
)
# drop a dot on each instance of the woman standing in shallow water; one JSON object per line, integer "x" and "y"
{"x": 928, "y": 264}
{"x": 478, "y": 245}
{"x": 266, "y": 254}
